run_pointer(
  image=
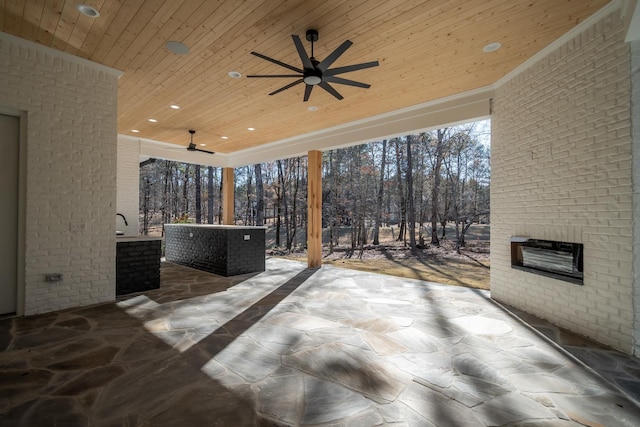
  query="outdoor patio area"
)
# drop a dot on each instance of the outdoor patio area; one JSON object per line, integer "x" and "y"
{"x": 293, "y": 346}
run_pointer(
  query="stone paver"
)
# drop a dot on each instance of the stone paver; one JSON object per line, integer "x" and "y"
{"x": 292, "y": 346}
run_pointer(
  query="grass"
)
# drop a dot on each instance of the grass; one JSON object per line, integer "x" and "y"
{"x": 451, "y": 272}
{"x": 441, "y": 265}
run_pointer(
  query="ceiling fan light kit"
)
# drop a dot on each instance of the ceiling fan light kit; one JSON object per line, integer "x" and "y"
{"x": 314, "y": 72}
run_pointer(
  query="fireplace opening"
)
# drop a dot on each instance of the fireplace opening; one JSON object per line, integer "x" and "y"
{"x": 560, "y": 260}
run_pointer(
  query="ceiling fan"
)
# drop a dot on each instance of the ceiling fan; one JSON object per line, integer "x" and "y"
{"x": 314, "y": 72}
{"x": 192, "y": 146}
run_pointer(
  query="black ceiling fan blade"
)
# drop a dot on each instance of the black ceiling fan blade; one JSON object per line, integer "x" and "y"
{"x": 286, "y": 87}
{"x": 306, "y": 61}
{"x": 274, "y": 75}
{"x": 204, "y": 151}
{"x": 275, "y": 61}
{"x": 340, "y": 80}
{"x": 349, "y": 68}
{"x": 307, "y": 92}
{"x": 326, "y": 86}
{"x": 192, "y": 147}
{"x": 326, "y": 63}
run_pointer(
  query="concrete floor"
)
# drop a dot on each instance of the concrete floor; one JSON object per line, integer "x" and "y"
{"x": 292, "y": 346}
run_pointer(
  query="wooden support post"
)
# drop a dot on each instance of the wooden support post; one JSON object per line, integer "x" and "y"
{"x": 314, "y": 210}
{"x": 228, "y": 196}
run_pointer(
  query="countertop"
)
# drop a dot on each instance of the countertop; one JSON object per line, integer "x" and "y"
{"x": 136, "y": 238}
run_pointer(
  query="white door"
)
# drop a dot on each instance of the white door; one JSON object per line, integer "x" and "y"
{"x": 9, "y": 140}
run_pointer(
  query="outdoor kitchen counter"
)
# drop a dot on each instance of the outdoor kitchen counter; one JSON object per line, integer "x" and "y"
{"x": 226, "y": 250}
{"x": 137, "y": 263}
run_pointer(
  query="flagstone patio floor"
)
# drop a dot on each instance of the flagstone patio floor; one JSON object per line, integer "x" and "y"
{"x": 293, "y": 346}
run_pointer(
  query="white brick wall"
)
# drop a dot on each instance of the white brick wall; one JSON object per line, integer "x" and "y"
{"x": 635, "y": 126}
{"x": 70, "y": 164}
{"x": 128, "y": 182}
{"x": 561, "y": 163}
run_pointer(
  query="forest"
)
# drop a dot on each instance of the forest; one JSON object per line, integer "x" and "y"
{"x": 418, "y": 186}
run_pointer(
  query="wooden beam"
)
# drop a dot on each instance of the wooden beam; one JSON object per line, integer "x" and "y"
{"x": 228, "y": 196}
{"x": 314, "y": 209}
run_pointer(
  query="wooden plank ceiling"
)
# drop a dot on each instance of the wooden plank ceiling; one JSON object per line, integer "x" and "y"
{"x": 427, "y": 49}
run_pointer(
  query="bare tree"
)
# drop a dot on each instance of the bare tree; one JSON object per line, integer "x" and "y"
{"x": 410, "y": 201}
{"x": 376, "y": 227}
{"x": 198, "y": 195}
{"x": 259, "y": 194}
{"x": 401, "y": 194}
{"x": 435, "y": 190}
{"x": 210, "y": 194}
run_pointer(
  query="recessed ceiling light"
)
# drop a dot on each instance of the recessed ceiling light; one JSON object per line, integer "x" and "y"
{"x": 203, "y": 145}
{"x": 225, "y": 137}
{"x": 87, "y": 10}
{"x": 153, "y": 120}
{"x": 313, "y": 108}
{"x": 251, "y": 128}
{"x": 175, "y": 107}
{"x": 135, "y": 130}
{"x": 234, "y": 74}
{"x": 491, "y": 47}
{"x": 177, "y": 47}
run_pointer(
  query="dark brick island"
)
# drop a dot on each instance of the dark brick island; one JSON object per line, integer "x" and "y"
{"x": 137, "y": 264}
{"x": 226, "y": 250}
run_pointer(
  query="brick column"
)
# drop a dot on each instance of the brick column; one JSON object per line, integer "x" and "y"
{"x": 314, "y": 209}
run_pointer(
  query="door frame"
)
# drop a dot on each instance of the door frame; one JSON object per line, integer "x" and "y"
{"x": 22, "y": 204}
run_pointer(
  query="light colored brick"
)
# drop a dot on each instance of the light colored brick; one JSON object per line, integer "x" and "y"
{"x": 70, "y": 172}
{"x": 565, "y": 123}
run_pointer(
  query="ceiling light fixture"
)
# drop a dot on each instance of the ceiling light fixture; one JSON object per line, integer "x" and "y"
{"x": 177, "y": 47}
{"x": 251, "y": 128}
{"x": 135, "y": 130}
{"x": 153, "y": 120}
{"x": 234, "y": 74}
{"x": 87, "y": 10}
{"x": 175, "y": 107}
{"x": 491, "y": 47}
{"x": 313, "y": 108}
{"x": 224, "y": 137}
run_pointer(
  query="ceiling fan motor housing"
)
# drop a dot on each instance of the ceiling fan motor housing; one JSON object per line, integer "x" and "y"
{"x": 312, "y": 35}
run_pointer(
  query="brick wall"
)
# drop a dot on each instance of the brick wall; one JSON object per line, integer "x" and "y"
{"x": 70, "y": 172}
{"x": 561, "y": 170}
{"x": 137, "y": 265}
{"x": 635, "y": 132}
{"x": 221, "y": 250}
{"x": 128, "y": 179}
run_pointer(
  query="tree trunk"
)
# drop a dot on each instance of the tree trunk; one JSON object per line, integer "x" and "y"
{"x": 259, "y": 195}
{"x": 198, "y": 196}
{"x": 145, "y": 207}
{"x": 248, "y": 214}
{"x": 401, "y": 195}
{"x": 210, "y": 194}
{"x": 376, "y": 227}
{"x": 435, "y": 191}
{"x": 185, "y": 191}
{"x": 410, "y": 201}
{"x": 293, "y": 223}
{"x": 332, "y": 192}
{"x": 285, "y": 207}
{"x": 220, "y": 192}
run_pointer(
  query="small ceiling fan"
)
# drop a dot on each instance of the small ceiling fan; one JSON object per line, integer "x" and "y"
{"x": 314, "y": 72}
{"x": 192, "y": 146}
